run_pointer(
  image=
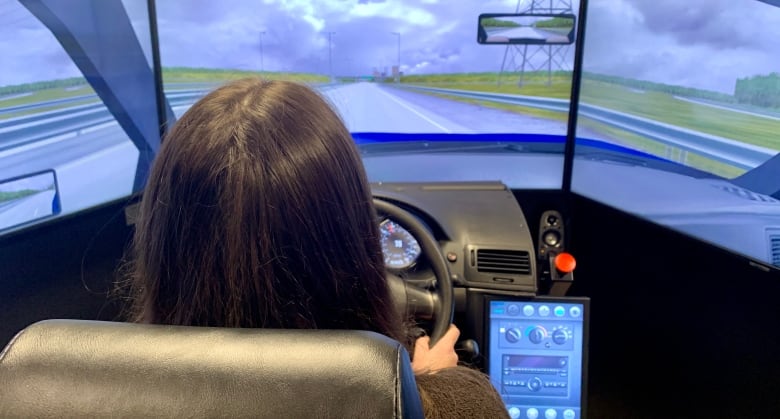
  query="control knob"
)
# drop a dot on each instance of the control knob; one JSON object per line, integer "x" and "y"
{"x": 537, "y": 334}
{"x": 513, "y": 335}
{"x": 559, "y": 336}
{"x": 535, "y": 384}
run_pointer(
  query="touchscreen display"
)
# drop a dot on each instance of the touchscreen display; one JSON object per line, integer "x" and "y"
{"x": 536, "y": 356}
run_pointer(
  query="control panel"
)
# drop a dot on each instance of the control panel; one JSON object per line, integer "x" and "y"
{"x": 536, "y": 356}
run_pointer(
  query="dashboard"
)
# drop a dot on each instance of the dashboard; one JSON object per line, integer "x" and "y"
{"x": 534, "y": 348}
{"x": 479, "y": 226}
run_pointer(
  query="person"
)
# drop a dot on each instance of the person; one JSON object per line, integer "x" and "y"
{"x": 258, "y": 214}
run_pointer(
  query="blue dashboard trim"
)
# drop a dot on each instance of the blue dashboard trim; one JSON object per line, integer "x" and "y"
{"x": 362, "y": 138}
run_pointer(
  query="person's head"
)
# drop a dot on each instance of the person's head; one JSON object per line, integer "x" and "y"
{"x": 257, "y": 213}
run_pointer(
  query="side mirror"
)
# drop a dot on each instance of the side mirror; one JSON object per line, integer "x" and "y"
{"x": 526, "y": 29}
{"x": 27, "y": 198}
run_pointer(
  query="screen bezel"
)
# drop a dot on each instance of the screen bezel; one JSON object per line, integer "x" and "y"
{"x": 585, "y": 301}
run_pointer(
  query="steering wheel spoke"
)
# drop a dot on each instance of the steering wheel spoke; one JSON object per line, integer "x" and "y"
{"x": 411, "y": 300}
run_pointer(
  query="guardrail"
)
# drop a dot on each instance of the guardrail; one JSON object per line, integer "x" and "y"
{"x": 27, "y": 129}
{"x": 19, "y": 131}
{"x": 735, "y": 153}
{"x": 172, "y": 87}
{"x": 24, "y": 130}
{"x": 53, "y": 102}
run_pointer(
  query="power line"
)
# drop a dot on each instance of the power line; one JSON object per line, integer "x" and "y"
{"x": 519, "y": 58}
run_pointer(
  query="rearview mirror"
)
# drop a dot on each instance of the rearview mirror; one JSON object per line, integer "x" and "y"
{"x": 27, "y": 198}
{"x": 526, "y": 29}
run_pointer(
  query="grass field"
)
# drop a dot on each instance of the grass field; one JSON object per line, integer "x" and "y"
{"x": 10, "y": 196}
{"x": 638, "y": 142}
{"x": 207, "y": 75}
{"x": 44, "y": 96}
{"x": 170, "y": 75}
{"x": 535, "y": 84}
{"x": 524, "y": 110}
{"x": 617, "y": 136}
{"x": 662, "y": 107}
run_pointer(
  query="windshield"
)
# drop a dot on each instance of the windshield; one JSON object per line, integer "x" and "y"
{"x": 404, "y": 75}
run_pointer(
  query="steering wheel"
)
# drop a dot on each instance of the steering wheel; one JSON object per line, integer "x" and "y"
{"x": 437, "y": 303}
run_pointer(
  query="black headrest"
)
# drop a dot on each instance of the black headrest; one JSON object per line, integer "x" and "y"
{"x": 77, "y": 368}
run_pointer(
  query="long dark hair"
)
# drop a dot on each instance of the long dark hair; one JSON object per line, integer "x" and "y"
{"x": 258, "y": 213}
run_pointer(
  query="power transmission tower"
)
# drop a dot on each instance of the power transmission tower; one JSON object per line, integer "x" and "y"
{"x": 522, "y": 58}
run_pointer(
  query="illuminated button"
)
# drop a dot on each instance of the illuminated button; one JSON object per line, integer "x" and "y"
{"x": 560, "y": 311}
{"x": 568, "y": 414}
{"x": 528, "y": 310}
{"x": 550, "y": 414}
{"x": 544, "y": 311}
{"x": 514, "y": 412}
{"x": 532, "y": 413}
{"x": 575, "y": 311}
{"x": 565, "y": 263}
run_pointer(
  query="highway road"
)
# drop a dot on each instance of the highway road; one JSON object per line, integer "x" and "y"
{"x": 92, "y": 166}
{"x": 97, "y": 164}
{"x": 369, "y": 107}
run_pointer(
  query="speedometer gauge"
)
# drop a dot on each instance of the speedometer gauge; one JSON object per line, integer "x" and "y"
{"x": 400, "y": 248}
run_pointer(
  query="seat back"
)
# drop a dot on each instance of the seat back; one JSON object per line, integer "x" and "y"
{"x": 77, "y": 368}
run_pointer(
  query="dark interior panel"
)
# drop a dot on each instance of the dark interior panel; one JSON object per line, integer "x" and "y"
{"x": 64, "y": 269}
{"x": 678, "y": 328}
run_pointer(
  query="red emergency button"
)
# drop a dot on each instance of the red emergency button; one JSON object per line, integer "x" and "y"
{"x": 565, "y": 262}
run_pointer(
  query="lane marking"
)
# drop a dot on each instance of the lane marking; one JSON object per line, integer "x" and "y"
{"x": 37, "y": 144}
{"x": 406, "y": 106}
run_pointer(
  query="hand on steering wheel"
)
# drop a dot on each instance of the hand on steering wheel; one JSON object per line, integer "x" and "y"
{"x": 442, "y": 355}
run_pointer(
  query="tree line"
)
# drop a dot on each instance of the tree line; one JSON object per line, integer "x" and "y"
{"x": 42, "y": 85}
{"x": 761, "y": 91}
{"x": 690, "y": 92}
{"x": 556, "y": 22}
{"x": 492, "y": 22}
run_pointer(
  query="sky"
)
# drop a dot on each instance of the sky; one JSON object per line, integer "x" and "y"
{"x": 699, "y": 43}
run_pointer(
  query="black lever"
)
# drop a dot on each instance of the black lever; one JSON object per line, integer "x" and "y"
{"x": 467, "y": 350}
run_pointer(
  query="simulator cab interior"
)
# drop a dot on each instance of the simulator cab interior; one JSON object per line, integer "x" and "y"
{"x": 589, "y": 190}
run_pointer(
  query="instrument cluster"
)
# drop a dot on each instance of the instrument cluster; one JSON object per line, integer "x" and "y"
{"x": 401, "y": 250}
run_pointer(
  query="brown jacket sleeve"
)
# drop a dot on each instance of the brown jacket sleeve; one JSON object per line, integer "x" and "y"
{"x": 459, "y": 392}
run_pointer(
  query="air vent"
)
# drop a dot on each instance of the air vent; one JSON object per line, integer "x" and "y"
{"x": 774, "y": 248}
{"x": 746, "y": 194}
{"x": 513, "y": 262}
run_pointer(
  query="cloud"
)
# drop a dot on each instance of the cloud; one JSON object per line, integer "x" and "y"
{"x": 719, "y": 23}
{"x": 30, "y": 52}
{"x": 700, "y": 43}
{"x": 296, "y": 35}
{"x": 706, "y": 44}
{"x": 436, "y": 36}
